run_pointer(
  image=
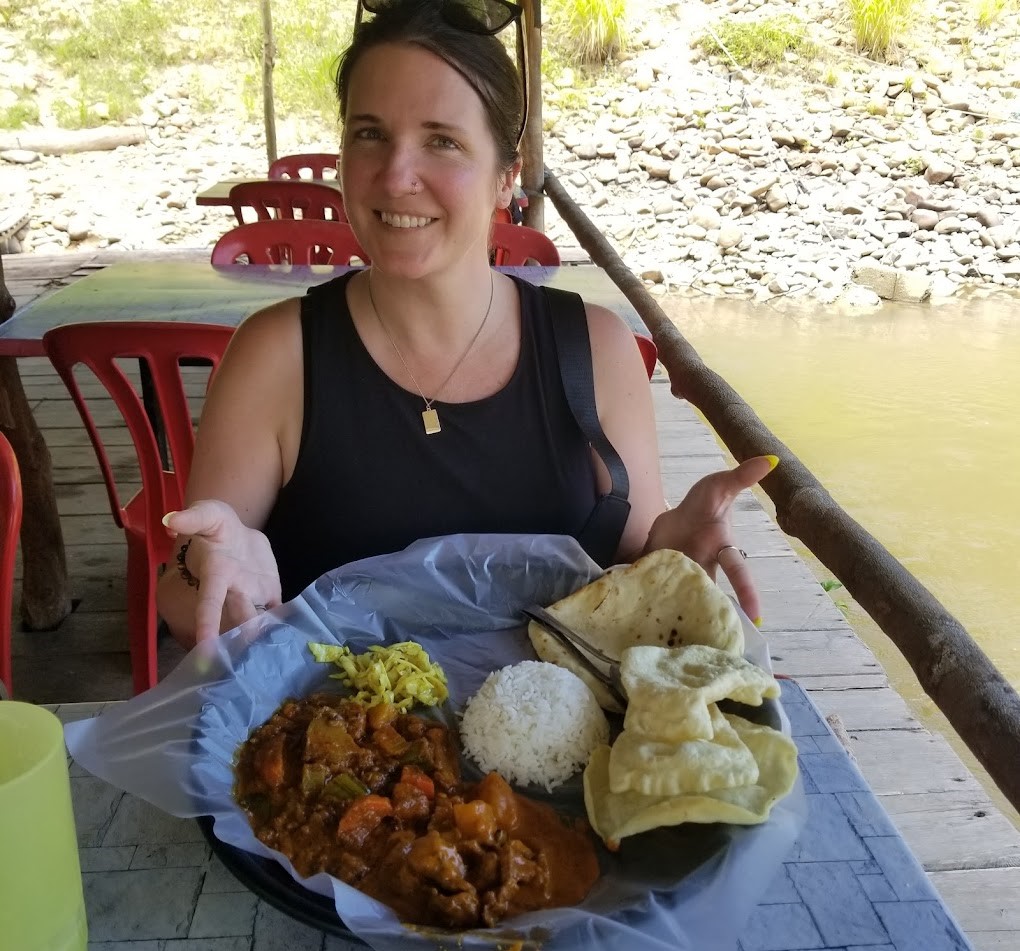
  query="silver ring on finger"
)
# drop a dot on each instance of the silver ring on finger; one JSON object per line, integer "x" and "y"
{"x": 261, "y": 608}
{"x": 739, "y": 551}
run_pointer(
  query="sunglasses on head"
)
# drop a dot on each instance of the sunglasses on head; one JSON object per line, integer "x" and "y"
{"x": 481, "y": 17}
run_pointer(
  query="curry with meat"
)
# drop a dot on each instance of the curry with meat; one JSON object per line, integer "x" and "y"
{"x": 374, "y": 797}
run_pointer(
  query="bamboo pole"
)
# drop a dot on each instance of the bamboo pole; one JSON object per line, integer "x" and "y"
{"x": 982, "y": 706}
{"x": 268, "y": 64}
{"x": 533, "y": 171}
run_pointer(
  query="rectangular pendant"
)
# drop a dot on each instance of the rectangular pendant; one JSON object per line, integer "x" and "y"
{"x": 431, "y": 420}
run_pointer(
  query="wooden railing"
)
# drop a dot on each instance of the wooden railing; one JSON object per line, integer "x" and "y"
{"x": 982, "y": 706}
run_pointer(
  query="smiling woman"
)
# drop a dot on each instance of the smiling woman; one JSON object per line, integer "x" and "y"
{"x": 423, "y": 396}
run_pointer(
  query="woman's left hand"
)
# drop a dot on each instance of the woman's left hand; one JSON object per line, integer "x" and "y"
{"x": 699, "y": 526}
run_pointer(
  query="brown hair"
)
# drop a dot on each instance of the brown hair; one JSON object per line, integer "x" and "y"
{"x": 481, "y": 60}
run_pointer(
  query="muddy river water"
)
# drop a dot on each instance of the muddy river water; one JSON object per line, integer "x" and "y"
{"x": 910, "y": 416}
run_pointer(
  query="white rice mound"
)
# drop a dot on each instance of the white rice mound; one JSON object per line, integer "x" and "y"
{"x": 533, "y": 722}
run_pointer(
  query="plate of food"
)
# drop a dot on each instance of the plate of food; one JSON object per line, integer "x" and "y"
{"x": 493, "y": 794}
{"x": 515, "y": 812}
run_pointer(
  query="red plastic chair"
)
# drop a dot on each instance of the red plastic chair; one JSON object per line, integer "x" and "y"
{"x": 649, "y": 352}
{"x": 10, "y": 525}
{"x": 284, "y": 198}
{"x": 161, "y": 346}
{"x": 289, "y": 242}
{"x": 516, "y": 245}
{"x": 316, "y": 164}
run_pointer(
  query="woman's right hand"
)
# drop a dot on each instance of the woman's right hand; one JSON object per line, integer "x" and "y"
{"x": 234, "y": 565}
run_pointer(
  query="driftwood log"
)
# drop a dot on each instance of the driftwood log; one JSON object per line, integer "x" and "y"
{"x": 45, "y": 600}
{"x": 979, "y": 702}
{"x": 63, "y": 141}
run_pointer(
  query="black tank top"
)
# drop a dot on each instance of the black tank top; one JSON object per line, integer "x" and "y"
{"x": 368, "y": 480}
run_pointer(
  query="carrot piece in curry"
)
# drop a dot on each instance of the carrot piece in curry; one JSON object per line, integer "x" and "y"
{"x": 415, "y": 777}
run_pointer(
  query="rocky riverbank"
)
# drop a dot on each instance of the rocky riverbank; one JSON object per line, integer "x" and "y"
{"x": 831, "y": 176}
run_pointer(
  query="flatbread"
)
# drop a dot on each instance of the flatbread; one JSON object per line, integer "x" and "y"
{"x": 664, "y": 599}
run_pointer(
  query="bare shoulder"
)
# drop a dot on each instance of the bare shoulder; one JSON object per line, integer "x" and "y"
{"x": 266, "y": 344}
{"x": 612, "y": 340}
{"x": 278, "y": 325}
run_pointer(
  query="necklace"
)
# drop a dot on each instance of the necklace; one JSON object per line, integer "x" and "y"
{"x": 429, "y": 416}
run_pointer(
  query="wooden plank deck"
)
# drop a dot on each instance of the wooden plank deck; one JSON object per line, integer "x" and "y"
{"x": 969, "y": 848}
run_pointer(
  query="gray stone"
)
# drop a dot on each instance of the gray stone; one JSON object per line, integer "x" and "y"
{"x": 705, "y": 216}
{"x": 925, "y": 218}
{"x": 878, "y": 278}
{"x": 20, "y": 156}
{"x": 939, "y": 171}
{"x": 729, "y": 236}
{"x": 912, "y": 286}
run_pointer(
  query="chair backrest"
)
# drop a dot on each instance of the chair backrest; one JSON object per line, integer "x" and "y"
{"x": 316, "y": 164}
{"x": 290, "y": 242}
{"x": 161, "y": 346}
{"x": 516, "y": 245}
{"x": 283, "y": 198}
{"x": 10, "y": 525}
{"x": 649, "y": 352}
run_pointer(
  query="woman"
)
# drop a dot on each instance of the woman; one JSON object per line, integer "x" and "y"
{"x": 421, "y": 396}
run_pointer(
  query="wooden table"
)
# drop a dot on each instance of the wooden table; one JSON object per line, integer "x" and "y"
{"x": 191, "y": 291}
{"x": 219, "y": 194}
{"x": 195, "y": 291}
{"x": 851, "y": 882}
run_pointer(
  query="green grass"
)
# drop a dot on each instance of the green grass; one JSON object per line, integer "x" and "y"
{"x": 588, "y": 31}
{"x": 309, "y": 39}
{"x": 21, "y": 114}
{"x": 759, "y": 44}
{"x": 879, "y": 25}
{"x": 111, "y": 51}
{"x": 988, "y": 12}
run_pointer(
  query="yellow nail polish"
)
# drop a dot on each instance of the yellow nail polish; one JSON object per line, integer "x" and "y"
{"x": 167, "y": 516}
{"x": 773, "y": 462}
{"x": 758, "y": 621}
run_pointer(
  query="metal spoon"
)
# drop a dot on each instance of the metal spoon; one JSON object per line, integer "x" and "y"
{"x": 579, "y": 648}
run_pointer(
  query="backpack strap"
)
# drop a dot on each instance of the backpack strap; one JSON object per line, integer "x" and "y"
{"x": 602, "y": 531}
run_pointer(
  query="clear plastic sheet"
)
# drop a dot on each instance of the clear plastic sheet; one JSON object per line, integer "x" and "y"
{"x": 460, "y": 597}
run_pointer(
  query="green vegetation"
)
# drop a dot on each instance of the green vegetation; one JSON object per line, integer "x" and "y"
{"x": 989, "y": 11}
{"x": 19, "y": 115}
{"x": 879, "y": 24}
{"x": 760, "y": 43}
{"x": 592, "y": 30}
{"x": 110, "y": 50}
{"x": 833, "y": 585}
{"x": 12, "y": 10}
{"x": 309, "y": 39}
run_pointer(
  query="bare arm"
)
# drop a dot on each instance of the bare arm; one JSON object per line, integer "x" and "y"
{"x": 624, "y": 401}
{"x": 699, "y": 525}
{"x": 244, "y": 452}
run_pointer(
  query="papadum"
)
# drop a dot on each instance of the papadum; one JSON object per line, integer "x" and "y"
{"x": 614, "y": 816}
{"x": 669, "y": 691}
{"x": 656, "y": 768}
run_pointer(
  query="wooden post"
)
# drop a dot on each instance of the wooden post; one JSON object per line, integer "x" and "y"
{"x": 533, "y": 172}
{"x": 268, "y": 64}
{"x": 45, "y": 600}
{"x": 978, "y": 701}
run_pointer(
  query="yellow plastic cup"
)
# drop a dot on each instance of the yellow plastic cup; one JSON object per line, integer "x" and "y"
{"x": 41, "y": 902}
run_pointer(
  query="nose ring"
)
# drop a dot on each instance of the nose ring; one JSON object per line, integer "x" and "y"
{"x": 414, "y": 187}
